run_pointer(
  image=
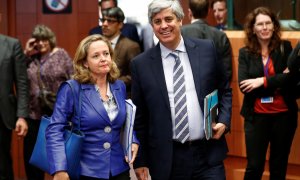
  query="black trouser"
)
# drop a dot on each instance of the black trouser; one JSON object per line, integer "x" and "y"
{"x": 275, "y": 129}
{"x": 32, "y": 172}
{"x": 122, "y": 176}
{"x": 6, "y": 169}
{"x": 190, "y": 163}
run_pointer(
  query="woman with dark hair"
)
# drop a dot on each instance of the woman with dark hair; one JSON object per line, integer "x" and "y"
{"x": 48, "y": 67}
{"x": 103, "y": 115}
{"x": 269, "y": 106}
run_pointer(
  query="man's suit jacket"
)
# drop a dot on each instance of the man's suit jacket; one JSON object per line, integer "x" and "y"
{"x": 125, "y": 51}
{"x": 294, "y": 59}
{"x": 153, "y": 124}
{"x": 13, "y": 75}
{"x": 236, "y": 26}
{"x": 200, "y": 29}
{"x": 294, "y": 66}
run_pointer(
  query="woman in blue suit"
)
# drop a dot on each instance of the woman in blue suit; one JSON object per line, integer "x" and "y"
{"x": 103, "y": 114}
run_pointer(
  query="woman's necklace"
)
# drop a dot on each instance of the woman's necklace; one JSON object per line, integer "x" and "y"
{"x": 265, "y": 57}
{"x": 103, "y": 92}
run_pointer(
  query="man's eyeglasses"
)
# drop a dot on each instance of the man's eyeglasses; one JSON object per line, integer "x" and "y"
{"x": 109, "y": 21}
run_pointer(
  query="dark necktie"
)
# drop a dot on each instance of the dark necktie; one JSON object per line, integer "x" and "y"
{"x": 181, "y": 115}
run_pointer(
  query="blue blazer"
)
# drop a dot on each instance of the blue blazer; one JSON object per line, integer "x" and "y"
{"x": 102, "y": 152}
{"x": 153, "y": 124}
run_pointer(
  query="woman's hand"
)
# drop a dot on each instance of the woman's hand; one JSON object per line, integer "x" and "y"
{"x": 250, "y": 84}
{"x": 30, "y": 47}
{"x": 134, "y": 150}
{"x": 61, "y": 175}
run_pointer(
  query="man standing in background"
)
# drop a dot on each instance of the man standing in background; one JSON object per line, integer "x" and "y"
{"x": 219, "y": 8}
{"x": 125, "y": 49}
{"x": 128, "y": 30}
{"x": 13, "y": 100}
{"x": 198, "y": 11}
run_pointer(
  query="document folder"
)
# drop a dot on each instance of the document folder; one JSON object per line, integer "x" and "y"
{"x": 128, "y": 128}
{"x": 210, "y": 112}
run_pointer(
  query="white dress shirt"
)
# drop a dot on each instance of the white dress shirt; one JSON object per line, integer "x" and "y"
{"x": 195, "y": 115}
{"x": 114, "y": 41}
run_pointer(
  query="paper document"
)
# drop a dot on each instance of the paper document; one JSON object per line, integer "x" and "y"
{"x": 210, "y": 112}
{"x": 128, "y": 128}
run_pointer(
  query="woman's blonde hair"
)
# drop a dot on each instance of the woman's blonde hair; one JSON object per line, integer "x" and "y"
{"x": 83, "y": 74}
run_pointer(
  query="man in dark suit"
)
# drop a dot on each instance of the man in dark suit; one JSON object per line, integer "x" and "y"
{"x": 13, "y": 100}
{"x": 294, "y": 66}
{"x": 124, "y": 48}
{"x": 294, "y": 59}
{"x": 128, "y": 30}
{"x": 198, "y": 10}
{"x": 219, "y": 8}
{"x": 169, "y": 83}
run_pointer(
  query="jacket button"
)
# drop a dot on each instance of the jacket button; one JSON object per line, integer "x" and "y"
{"x": 107, "y": 129}
{"x": 106, "y": 145}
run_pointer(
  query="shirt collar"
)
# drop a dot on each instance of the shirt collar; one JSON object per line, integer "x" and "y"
{"x": 195, "y": 20}
{"x": 115, "y": 40}
{"x": 165, "y": 51}
{"x": 108, "y": 92}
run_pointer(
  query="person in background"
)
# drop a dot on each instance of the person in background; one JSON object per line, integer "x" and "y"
{"x": 294, "y": 66}
{"x": 13, "y": 100}
{"x": 168, "y": 148}
{"x": 198, "y": 10}
{"x": 103, "y": 115}
{"x": 269, "y": 106}
{"x": 128, "y": 30}
{"x": 294, "y": 59}
{"x": 125, "y": 49}
{"x": 148, "y": 37}
{"x": 219, "y": 8}
{"x": 48, "y": 67}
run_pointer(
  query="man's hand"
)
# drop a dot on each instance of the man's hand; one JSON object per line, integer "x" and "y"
{"x": 142, "y": 173}
{"x": 218, "y": 129}
{"x": 286, "y": 70}
{"x": 21, "y": 127}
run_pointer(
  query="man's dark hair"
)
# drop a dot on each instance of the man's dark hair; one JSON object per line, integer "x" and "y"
{"x": 114, "y": 1}
{"x": 214, "y": 1}
{"x": 199, "y": 8}
{"x": 114, "y": 12}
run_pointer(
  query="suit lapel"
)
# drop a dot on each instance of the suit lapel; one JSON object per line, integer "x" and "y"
{"x": 94, "y": 98}
{"x": 259, "y": 64}
{"x": 276, "y": 56}
{"x": 158, "y": 72}
{"x": 116, "y": 91}
{"x": 193, "y": 54}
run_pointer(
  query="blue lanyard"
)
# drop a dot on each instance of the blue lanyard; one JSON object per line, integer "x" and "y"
{"x": 266, "y": 67}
